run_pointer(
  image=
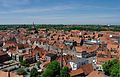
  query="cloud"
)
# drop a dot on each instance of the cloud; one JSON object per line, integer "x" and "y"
{"x": 56, "y": 13}
{"x": 38, "y": 9}
{"x": 11, "y": 3}
{"x": 56, "y": 8}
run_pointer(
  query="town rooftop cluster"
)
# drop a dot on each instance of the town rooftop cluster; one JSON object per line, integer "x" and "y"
{"x": 83, "y": 52}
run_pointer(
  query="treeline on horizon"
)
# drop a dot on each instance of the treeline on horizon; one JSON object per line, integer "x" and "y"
{"x": 63, "y": 27}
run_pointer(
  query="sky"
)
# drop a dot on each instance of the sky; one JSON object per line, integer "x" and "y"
{"x": 60, "y": 11}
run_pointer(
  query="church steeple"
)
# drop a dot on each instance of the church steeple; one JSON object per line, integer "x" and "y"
{"x": 33, "y": 26}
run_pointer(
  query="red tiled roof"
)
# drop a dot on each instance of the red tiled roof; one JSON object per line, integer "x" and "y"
{"x": 76, "y": 72}
{"x": 12, "y": 50}
{"x": 2, "y": 53}
{"x": 75, "y": 39}
{"x": 10, "y": 43}
{"x": 86, "y": 69}
{"x": 102, "y": 60}
{"x": 86, "y": 48}
{"x": 112, "y": 46}
{"x": 7, "y": 74}
{"x": 75, "y": 31}
{"x": 96, "y": 74}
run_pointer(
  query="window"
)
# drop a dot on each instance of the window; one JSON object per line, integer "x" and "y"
{"x": 74, "y": 66}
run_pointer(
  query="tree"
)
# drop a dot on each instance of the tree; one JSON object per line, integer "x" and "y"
{"x": 64, "y": 72}
{"x": 38, "y": 64}
{"x": 111, "y": 68}
{"x": 115, "y": 70}
{"x": 47, "y": 73}
{"x": 24, "y": 63}
{"x": 55, "y": 67}
{"x": 106, "y": 68}
{"x": 21, "y": 71}
{"x": 52, "y": 70}
{"x": 33, "y": 72}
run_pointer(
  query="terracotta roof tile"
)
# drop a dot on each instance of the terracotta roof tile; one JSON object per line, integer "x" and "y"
{"x": 112, "y": 46}
{"x": 102, "y": 60}
{"x": 86, "y": 48}
{"x": 88, "y": 68}
{"x": 7, "y": 74}
{"x": 76, "y": 72}
{"x": 96, "y": 74}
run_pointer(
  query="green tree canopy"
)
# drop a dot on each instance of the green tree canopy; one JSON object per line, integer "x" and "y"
{"x": 21, "y": 71}
{"x": 48, "y": 73}
{"x": 24, "y": 63}
{"x": 115, "y": 70}
{"x": 64, "y": 72}
{"x": 33, "y": 72}
{"x": 52, "y": 70}
{"x": 112, "y": 68}
{"x": 38, "y": 64}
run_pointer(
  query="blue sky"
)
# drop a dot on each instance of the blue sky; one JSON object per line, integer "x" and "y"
{"x": 60, "y": 11}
